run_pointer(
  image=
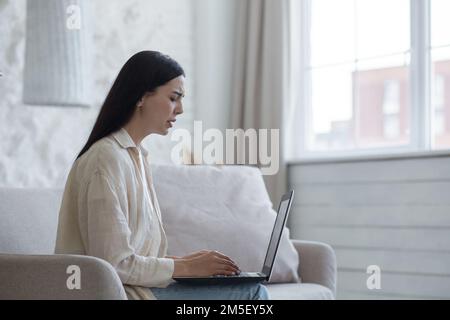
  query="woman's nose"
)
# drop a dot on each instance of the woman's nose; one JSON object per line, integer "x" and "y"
{"x": 179, "y": 109}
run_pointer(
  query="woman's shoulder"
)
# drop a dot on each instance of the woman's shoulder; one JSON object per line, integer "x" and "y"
{"x": 105, "y": 156}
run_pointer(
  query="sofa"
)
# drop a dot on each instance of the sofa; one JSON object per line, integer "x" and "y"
{"x": 30, "y": 270}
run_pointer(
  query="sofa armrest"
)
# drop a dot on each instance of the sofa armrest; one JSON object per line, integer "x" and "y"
{"x": 46, "y": 277}
{"x": 317, "y": 263}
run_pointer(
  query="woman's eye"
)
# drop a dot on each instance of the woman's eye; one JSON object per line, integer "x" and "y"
{"x": 173, "y": 99}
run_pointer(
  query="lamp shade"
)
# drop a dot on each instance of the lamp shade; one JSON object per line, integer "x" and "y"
{"x": 58, "y": 53}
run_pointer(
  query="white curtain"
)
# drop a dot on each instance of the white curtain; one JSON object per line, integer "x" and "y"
{"x": 261, "y": 80}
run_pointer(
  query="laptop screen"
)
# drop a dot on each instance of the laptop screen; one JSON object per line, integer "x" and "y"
{"x": 276, "y": 233}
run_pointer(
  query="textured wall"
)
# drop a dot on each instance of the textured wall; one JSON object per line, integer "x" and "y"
{"x": 39, "y": 144}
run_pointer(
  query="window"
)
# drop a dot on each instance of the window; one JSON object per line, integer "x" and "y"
{"x": 391, "y": 110}
{"x": 365, "y": 70}
{"x": 439, "y": 108}
{"x": 440, "y": 69}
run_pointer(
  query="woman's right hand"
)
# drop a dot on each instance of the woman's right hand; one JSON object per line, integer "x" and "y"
{"x": 205, "y": 263}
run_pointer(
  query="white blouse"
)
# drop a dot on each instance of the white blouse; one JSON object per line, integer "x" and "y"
{"x": 110, "y": 210}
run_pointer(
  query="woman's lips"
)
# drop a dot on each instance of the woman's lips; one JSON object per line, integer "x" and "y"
{"x": 171, "y": 122}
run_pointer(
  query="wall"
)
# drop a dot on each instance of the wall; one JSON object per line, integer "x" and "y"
{"x": 39, "y": 144}
{"x": 394, "y": 213}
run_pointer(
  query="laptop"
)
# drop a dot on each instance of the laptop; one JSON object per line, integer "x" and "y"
{"x": 254, "y": 277}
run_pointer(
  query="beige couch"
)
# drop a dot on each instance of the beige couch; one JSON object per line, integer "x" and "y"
{"x": 29, "y": 270}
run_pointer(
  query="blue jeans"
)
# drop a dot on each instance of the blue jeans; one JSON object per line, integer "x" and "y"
{"x": 181, "y": 291}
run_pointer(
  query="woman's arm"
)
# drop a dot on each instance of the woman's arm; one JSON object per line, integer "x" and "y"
{"x": 107, "y": 236}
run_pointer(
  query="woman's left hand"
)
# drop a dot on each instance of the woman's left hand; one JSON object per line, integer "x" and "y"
{"x": 195, "y": 254}
{"x": 191, "y": 255}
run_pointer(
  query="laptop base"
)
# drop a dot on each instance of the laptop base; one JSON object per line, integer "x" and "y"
{"x": 220, "y": 280}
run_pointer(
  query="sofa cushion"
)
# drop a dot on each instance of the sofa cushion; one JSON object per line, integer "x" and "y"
{"x": 224, "y": 208}
{"x": 29, "y": 219}
{"x": 298, "y": 291}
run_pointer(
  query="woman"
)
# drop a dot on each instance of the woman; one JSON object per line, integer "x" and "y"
{"x": 109, "y": 208}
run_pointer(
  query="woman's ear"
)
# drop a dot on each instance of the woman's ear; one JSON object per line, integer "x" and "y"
{"x": 140, "y": 102}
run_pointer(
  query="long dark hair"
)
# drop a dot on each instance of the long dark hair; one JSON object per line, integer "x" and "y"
{"x": 143, "y": 72}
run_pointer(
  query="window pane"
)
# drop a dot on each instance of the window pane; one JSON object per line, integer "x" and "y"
{"x": 345, "y": 30}
{"x": 332, "y": 31}
{"x": 382, "y": 105}
{"x": 363, "y": 103}
{"x": 440, "y": 25}
{"x": 332, "y": 114}
{"x": 383, "y": 27}
{"x": 440, "y": 97}
{"x": 440, "y": 79}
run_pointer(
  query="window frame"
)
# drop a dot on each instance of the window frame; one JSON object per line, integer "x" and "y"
{"x": 420, "y": 93}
